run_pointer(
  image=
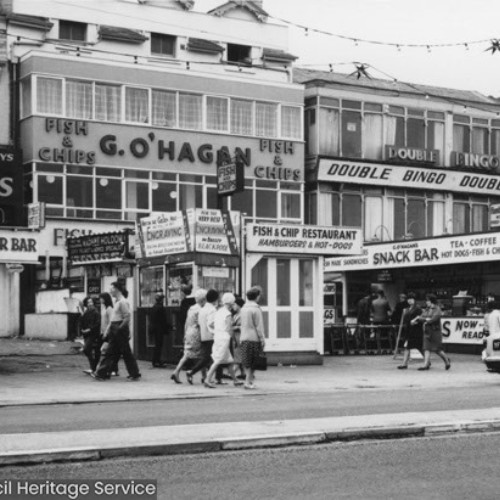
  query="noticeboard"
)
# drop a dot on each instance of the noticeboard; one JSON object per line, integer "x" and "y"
{"x": 98, "y": 248}
{"x": 230, "y": 178}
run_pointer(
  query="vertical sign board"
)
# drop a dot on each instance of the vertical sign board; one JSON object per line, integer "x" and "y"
{"x": 36, "y": 215}
{"x": 11, "y": 187}
{"x": 230, "y": 178}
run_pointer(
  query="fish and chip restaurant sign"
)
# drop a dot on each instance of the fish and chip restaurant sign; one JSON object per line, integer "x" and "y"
{"x": 374, "y": 174}
{"x": 480, "y": 247}
{"x": 316, "y": 240}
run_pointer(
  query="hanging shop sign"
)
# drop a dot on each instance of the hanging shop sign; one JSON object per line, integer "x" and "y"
{"x": 36, "y": 215}
{"x": 11, "y": 187}
{"x": 99, "y": 248}
{"x": 407, "y": 177}
{"x": 19, "y": 247}
{"x": 230, "y": 178}
{"x": 473, "y": 160}
{"x": 393, "y": 153}
{"x": 466, "y": 330}
{"x": 480, "y": 247}
{"x": 317, "y": 240}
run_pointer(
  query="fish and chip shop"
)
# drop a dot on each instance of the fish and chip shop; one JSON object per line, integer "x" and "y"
{"x": 460, "y": 270}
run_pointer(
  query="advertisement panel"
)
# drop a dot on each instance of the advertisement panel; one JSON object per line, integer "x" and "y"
{"x": 292, "y": 238}
{"x": 165, "y": 233}
{"x": 98, "y": 248}
{"x": 214, "y": 232}
{"x": 479, "y": 247}
{"x": 467, "y": 330}
{"x": 11, "y": 187}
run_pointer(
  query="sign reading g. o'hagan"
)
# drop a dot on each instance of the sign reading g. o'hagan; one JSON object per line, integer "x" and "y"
{"x": 316, "y": 240}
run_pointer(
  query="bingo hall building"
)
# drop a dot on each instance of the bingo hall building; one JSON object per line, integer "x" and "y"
{"x": 417, "y": 168}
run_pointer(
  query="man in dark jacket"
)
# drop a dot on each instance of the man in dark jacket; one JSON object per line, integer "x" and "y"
{"x": 90, "y": 328}
{"x": 159, "y": 328}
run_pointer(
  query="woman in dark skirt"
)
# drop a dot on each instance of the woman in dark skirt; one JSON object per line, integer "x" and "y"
{"x": 430, "y": 319}
{"x": 412, "y": 329}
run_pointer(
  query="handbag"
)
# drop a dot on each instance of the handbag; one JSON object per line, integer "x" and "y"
{"x": 261, "y": 362}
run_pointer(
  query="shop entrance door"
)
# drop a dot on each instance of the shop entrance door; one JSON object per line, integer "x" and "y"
{"x": 289, "y": 301}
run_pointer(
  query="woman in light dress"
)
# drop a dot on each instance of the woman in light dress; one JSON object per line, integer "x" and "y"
{"x": 221, "y": 350}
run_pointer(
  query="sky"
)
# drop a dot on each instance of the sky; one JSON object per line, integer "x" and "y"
{"x": 400, "y": 22}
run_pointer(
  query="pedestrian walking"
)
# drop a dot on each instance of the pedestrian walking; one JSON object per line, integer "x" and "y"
{"x": 430, "y": 319}
{"x": 90, "y": 328}
{"x": 186, "y": 303}
{"x": 106, "y": 314}
{"x": 158, "y": 329}
{"x": 236, "y": 337}
{"x": 252, "y": 334}
{"x": 192, "y": 336}
{"x": 221, "y": 351}
{"x": 412, "y": 329}
{"x": 118, "y": 336}
{"x": 206, "y": 318}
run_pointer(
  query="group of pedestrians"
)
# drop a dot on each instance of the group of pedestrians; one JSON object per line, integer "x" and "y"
{"x": 217, "y": 336}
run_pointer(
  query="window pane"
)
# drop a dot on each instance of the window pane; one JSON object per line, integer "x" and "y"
{"x": 374, "y": 228}
{"x": 70, "y": 30}
{"x": 107, "y": 102}
{"x": 290, "y": 205}
{"x": 306, "y": 324}
{"x": 399, "y": 218}
{"x": 136, "y": 105}
{"x": 217, "y": 109}
{"x": 190, "y": 196}
{"x": 109, "y": 193}
{"x": 79, "y": 192}
{"x": 290, "y": 122}
{"x": 266, "y": 204}
{"x": 351, "y": 133}
{"x": 416, "y": 218}
{"x": 461, "y": 139}
{"x": 241, "y": 117}
{"x": 137, "y": 195}
{"x": 284, "y": 324}
{"x": 78, "y": 99}
{"x": 26, "y": 96}
{"x": 351, "y": 210}
{"x": 190, "y": 109}
{"x": 479, "y": 218}
{"x": 435, "y": 218}
{"x": 395, "y": 132}
{"x": 480, "y": 141}
{"x": 306, "y": 288}
{"x": 49, "y": 96}
{"x": 259, "y": 278}
{"x": 461, "y": 218}
{"x": 329, "y": 131}
{"x": 415, "y": 133}
{"x": 495, "y": 142}
{"x": 212, "y": 198}
{"x": 372, "y": 136}
{"x": 164, "y": 197}
{"x": 164, "y": 108}
{"x": 163, "y": 44}
{"x": 50, "y": 189}
{"x": 266, "y": 119}
{"x": 243, "y": 202}
{"x": 283, "y": 282}
{"x": 435, "y": 138}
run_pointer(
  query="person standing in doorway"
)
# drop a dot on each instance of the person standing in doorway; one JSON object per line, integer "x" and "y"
{"x": 430, "y": 319}
{"x": 206, "y": 318}
{"x": 412, "y": 330}
{"x": 118, "y": 336}
{"x": 158, "y": 328}
{"x": 90, "y": 328}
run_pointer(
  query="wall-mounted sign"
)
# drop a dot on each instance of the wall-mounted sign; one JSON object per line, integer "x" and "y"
{"x": 393, "y": 153}
{"x": 230, "y": 178}
{"x": 407, "y": 177}
{"x": 98, "y": 248}
{"x": 432, "y": 252}
{"x": 94, "y": 287}
{"x": 316, "y": 240}
{"x": 19, "y": 247}
{"x": 213, "y": 232}
{"x": 494, "y": 216}
{"x": 384, "y": 276}
{"x": 11, "y": 187}
{"x": 473, "y": 160}
{"x": 467, "y": 330}
{"x": 36, "y": 215}
{"x": 278, "y": 173}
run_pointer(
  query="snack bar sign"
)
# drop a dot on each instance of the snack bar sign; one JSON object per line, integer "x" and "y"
{"x": 451, "y": 250}
{"x": 316, "y": 240}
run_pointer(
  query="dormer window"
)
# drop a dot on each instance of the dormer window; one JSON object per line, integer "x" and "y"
{"x": 163, "y": 45}
{"x": 239, "y": 53}
{"x": 70, "y": 30}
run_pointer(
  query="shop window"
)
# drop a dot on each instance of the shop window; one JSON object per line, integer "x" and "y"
{"x": 290, "y": 205}
{"x": 373, "y": 219}
{"x": 109, "y": 193}
{"x": 137, "y": 196}
{"x": 480, "y": 140}
{"x": 243, "y": 202}
{"x": 241, "y": 117}
{"x": 265, "y": 204}
{"x": 164, "y": 197}
{"x": 351, "y": 210}
{"x": 70, "y": 30}
{"x": 164, "y": 108}
{"x": 259, "y": 278}
{"x": 415, "y": 133}
{"x": 190, "y": 196}
{"x": 107, "y": 102}
{"x": 372, "y": 136}
{"x": 479, "y": 218}
{"x": 329, "y": 131}
{"x": 190, "y": 111}
{"x": 151, "y": 283}
{"x": 461, "y": 218}
{"x": 239, "y": 53}
{"x": 217, "y": 113}
{"x": 415, "y": 218}
{"x": 49, "y": 96}
{"x": 163, "y": 45}
{"x": 306, "y": 283}
{"x": 395, "y": 131}
{"x": 79, "y": 192}
{"x": 78, "y": 99}
{"x": 351, "y": 134}
{"x": 136, "y": 105}
{"x": 26, "y": 97}
{"x": 461, "y": 138}
{"x": 266, "y": 119}
{"x": 50, "y": 189}
{"x": 290, "y": 122}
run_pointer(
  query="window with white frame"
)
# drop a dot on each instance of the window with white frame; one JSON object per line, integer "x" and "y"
{"x": 136, "y": 105}
{"x": 217, "y": 113}
{"x": 291, "y": 117}
{"x": 107, "y": 102}
{"x": 79, "y": 99}
{"x": 49, "y": 96}
{"x": 190, "y": 111}
{"x": 241, "y": 117}
{"x": 266, "y": 119}
{"x": 164, "y": 108}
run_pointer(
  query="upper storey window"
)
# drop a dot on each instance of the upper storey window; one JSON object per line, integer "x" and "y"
{"x": 163, "y": 45}
{"x": 70, "y": 30}
{"x": 239, "y": 53}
